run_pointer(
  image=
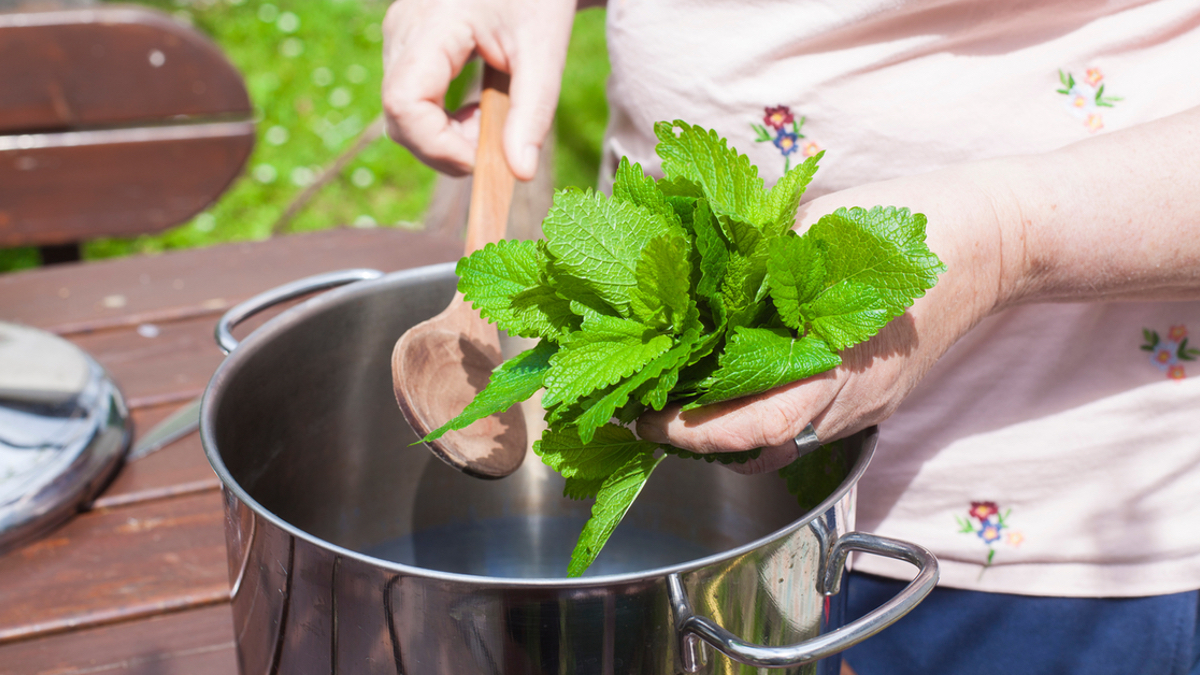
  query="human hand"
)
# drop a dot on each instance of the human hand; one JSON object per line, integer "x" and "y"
{"x": 965, "y": 216}
{"x": 427, "y": 43}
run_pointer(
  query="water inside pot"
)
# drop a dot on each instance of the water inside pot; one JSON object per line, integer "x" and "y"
{"x": 533, "y": 547}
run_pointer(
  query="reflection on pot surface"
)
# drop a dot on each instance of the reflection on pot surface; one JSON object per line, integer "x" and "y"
{"x": 353, "y": 551}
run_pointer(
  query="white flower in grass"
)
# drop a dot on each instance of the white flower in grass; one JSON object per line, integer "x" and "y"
{"x": 362, "y": 177}
{"x": 340, "y": 97}
{"x": 205, "y": 222}
{"x": 288, "y": 22}
{"x": 277, "y": 135}
{"x": 265, "y": 173}
{"x": 292, "y": 47}
{"x": 302, "y": 176}
{"x": 357, "y": 73}
{"x": 322, "y": 77}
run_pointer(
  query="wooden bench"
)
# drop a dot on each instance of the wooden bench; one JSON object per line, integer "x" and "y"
{"x": 114, "y": 121}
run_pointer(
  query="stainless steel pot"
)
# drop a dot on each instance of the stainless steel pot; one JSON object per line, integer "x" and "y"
{"x": 353, "y": 551}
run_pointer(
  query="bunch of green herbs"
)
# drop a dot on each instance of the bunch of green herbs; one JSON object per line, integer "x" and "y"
{"x": 691, "y": 289}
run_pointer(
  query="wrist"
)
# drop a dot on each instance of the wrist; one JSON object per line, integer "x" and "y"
{"x": 1003, "y": 230}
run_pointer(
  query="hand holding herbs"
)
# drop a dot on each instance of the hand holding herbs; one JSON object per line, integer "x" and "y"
{"x": 689, "y": 290}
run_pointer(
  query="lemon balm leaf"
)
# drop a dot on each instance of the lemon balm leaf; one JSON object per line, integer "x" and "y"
{"x": 611, "y": 448}
{"x": 599, "y": 411}
{"x": 613, "y": 500}
{"x": 491, "y": 277}
{"x": 758, "y": 359}
{"x": 728, "y": 179}
{"x": 795, "y": 275}
{"x": 784, "y": 197}
{"x": 599, "y": 240}
{"x": 714, "y": 256}
{"x": 512, "y": 382}
{"x": 631, "y": 184}
{"x": 847, "y": 313}
{"x": 544, "y": 312}
{"x": 579, "y": 488}
{"x": 662, "y": 295}
{"x": 604, "y": 351}
{"x": 883, "y": 248}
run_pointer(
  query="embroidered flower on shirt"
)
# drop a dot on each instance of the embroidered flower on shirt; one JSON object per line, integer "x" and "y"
{"x": 989, "y": 532}
{"x": 786, "y": 142}
{"x": 1085, "y": 98}
{"x": 1166, "y": 354}
{"x": 781, "y": 128}
{"x": 981, "y": 511}
{"x": 778, "y": 117}
{"x": 985, "y": 521}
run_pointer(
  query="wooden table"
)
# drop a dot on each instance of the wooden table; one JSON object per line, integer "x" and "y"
{"x": 138, "y": 583}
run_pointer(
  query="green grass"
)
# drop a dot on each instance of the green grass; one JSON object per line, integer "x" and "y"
{"x": 313, "y": 71}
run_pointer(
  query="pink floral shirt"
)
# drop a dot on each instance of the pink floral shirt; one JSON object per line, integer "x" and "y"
{"x": 1055, "y": 450}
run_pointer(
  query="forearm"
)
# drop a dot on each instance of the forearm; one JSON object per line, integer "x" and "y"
{"x": 1116, "y": 217}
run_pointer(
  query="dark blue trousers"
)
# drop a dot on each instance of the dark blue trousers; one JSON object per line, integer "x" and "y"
{"x": 957, "y": 632}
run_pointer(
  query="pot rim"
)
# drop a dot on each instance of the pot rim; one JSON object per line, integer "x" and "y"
{"x": 296, "y": 314}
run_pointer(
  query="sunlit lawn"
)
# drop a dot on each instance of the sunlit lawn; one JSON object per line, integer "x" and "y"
{"x": 313, "y": 71}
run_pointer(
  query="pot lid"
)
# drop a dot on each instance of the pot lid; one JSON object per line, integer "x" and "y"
{"x": 64, "y": 428}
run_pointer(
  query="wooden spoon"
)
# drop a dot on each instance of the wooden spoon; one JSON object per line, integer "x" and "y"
{"x": 440, "y": 364}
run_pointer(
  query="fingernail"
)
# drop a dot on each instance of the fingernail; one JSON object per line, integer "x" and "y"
{"x": 651, "y": 433}
{"x": 529, "y": 158}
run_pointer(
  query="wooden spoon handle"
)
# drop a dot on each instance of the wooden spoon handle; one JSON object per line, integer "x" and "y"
{"x": 492, "y": 190}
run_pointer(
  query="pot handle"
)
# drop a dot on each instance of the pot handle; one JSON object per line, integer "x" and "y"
{"x": 689, "y": 627}
{"x": 318, "y": 282}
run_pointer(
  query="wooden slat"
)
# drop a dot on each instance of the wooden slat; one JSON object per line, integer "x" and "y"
{"x": 195, "y": 642}
{"x": 75, "y": 298}
{"x": 63, "y": 187}
{"x": 176, "y": 469}
{"x": 172, "y": 367}
{"x": 109, "y": 66}
{"x": 116, "y": 565}
{"x": 170, "y": 364}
